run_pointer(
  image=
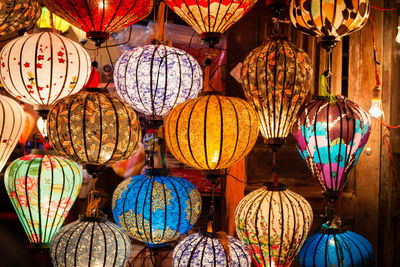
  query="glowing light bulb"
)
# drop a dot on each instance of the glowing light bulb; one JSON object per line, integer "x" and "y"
{"x": 42, "y": 126}
{"x": 376, "y": 103}
{"x": 398, "y": 34}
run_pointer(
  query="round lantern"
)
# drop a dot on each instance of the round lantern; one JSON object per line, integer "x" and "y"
{"x": 211, "y": 132}
{"x": 99, "y": 18}
{"x": 155, "y": 78}
{"x": 276, "y": 79}
{"x": 273, "y": 223}
{"x": 12, "y": 121}
{"x": 28, "y": 127}
{"x": 42, "y": 188}
{"x": 155, "y": 209}
{"x": 211, "y": 18}
{"x": 330, "y": 137}
{"x": 90, "y": 242}
{"x": 17, "y": 15}
{"x": 49, "y": 20}
{"x": 40, "y": 68}
{"x": 208, "y": 249}
{"x": 334, "y": 247}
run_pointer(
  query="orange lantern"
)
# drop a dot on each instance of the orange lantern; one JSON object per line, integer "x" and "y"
{"x": 29, "y": 124}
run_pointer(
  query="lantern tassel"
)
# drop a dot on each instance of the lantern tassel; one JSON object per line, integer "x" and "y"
{"x": 223, "y": 238}
{"x": 159, "y": 34}
{"x": 206, "y": 84}
{"x": 92, "y": 209}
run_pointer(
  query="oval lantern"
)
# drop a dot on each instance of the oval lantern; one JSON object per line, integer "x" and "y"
{"x": 276, "y": 79}
{"x": 41, "y": 68}
{"x": 18, "y": 15}
{"x": 90, "y": 242}
{"x": 273, "y": 223}
{"x": 155, "y": 209}
{"x": 208, "y": 249}
{"x": 12, "y": 121}
{"x": 155, "y": 78}
{"x": 330, "y": 137}
{"x": 211, "y": 132}
{"x": 28, "y": 127}
{"x": 42, "y": 188}
{"x": 100, "y": 18}
{"x": 335, "y": 247}
{"x": 92, "y": 127}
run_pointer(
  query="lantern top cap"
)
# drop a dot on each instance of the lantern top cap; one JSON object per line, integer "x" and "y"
{"x": 100, "y": 218}
{"x": 156, "y": 172}
{"x": 271, "y": 187}
{"x": 95, "y": 90}
{"x": 44, "y": 152}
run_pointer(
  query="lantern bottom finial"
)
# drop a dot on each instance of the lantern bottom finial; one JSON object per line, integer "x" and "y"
{"x": 97, "y": 37}
{"x": 212, "y": 38}
{"x": 328, "y": 43}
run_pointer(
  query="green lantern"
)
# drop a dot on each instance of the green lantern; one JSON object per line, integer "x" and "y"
{"x": 42, "y": 188}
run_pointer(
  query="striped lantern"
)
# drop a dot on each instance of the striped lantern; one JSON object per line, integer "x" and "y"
{"x": 273, "y": 223}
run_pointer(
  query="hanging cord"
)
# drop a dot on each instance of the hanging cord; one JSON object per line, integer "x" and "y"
{"x": 211, "y": 214}
{"x": 376, "y": 62}
{"x": 274, "y": 167}
{"x": 385, "y": 9}
{"x": 92, "y": 209}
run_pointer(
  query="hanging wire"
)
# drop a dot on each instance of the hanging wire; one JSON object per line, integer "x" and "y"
{"x": 385, "y": 9}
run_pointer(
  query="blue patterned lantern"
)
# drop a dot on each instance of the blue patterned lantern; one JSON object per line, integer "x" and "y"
{"x": 208, "y": 249}
{"x": 154, "y": 208}
{"x": 334, "y": 247}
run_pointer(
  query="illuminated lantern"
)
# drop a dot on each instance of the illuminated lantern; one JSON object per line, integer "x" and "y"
{"x": 92, "y": 127}
{"x": 99, "y": 18}
{"x": 28, "y": 127}
{"x": 273, "y": 223}
{"x": 81, "y": 35}
{"x": 276, "y": 79}
{"x": 42, "y": 188}
{"x": 208, "y": 249}
{"x": 132, "y": 166}
{"x": 210, "y": 18}
{"x": 155, "y": 78}
{"x": 41, "y": 68}
{"x": 155, "y": 209}
{"x": 90, "y": 242}
{"x": 335, "y": 247}
{"x": 17, "y": 15}
{"x": 46, "y": 21}
{"x": 211, "y": 132}
{"x": 330, "y": 137}
{"x": 41, "y": 124}
{"x": 12, "y": 120}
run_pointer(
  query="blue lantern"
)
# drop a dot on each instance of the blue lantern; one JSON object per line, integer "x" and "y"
{"x": 334, "y": 247}
{"x": 155, "y": 208}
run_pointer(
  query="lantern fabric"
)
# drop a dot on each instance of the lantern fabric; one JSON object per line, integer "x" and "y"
{"x": 330, "y": 137}
{"x": 132, "y": 166}
{"x": 42, "y": 188}
{"x": 17, "y": 15}
{"x": 41, "y": 68}
{"x": 155, "y": 78}
{"x": 12, "y": 121}
{"x": 49, "y": 20}
{"x": 92, "y": 127}
{"x": 333, "y": 247}
{"x": 211, "y": 132}
{"x": 276, "y": 79}
{"x": 273, "y": 223}
{"x": 208, "y": 249}
{"x": 90, "y": 242}
{"x": 28, "y": 127}
{"x": 155, "y": 209}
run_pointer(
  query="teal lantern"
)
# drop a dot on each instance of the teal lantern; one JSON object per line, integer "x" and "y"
{"x": 42, "y": 188}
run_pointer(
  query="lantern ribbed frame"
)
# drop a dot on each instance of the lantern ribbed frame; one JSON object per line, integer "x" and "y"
{"x": 156, "y": 209}
{"x": 330, "y": 138}
{"x": 155, "y": 78}
{"x": 42, "y": 188}
{"x": 276, "y": 79}
{"x": 273, "y": 224}
{"x": 90, "y": 242}
{"x": 211, "y": 132}
{"x": 41, "y": 68}
{"x": 93, "y": 127}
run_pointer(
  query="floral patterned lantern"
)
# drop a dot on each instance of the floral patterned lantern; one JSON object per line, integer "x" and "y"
{"x": 41, "y": 68}
{"x": 330, "y": 137}
{"x": 335, "y": 247}
{"x": 92, "y": 127}
{"x": 28, "y": 127}
{"x": 99, "y": 18}
{"x": 208, "y": 249}
{"x": 154, "y": 208}
{"x": 276, "y": 79}
{"x": 90, "y": 242}
{"x": 42, "y": 188}
{"x": 155, "y": 78}
{"x": 17, "y": 15}
{"x": 273, "y": 223}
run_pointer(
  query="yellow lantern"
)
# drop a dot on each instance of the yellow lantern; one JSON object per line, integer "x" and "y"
{"x": 45, "y": 21}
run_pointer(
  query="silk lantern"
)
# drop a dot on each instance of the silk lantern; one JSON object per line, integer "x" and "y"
{"x": 330, "y": 137}
{"x": 273, "y": 223}
{"x": 155, "y": 208}
{"x": 276, "y": 79}
{"x": 49, "y": 20}
{"x": 92, "y": 127}
{"x": 155, "y": 78}
{"x": 208, "y": 249}
{"x": 211, "y": 132}
{"x": 28, "y": 127}
{"x": 42, "y": 188}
